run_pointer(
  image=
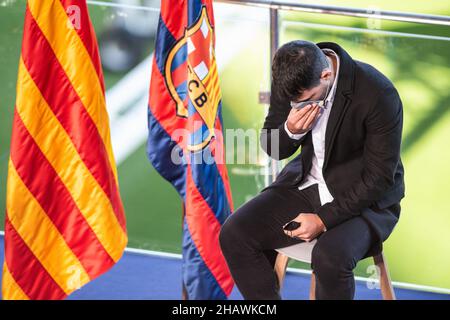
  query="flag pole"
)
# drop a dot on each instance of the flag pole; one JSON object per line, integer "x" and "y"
{"x": 274, "y": 166}
{"x": 184, "y": 295}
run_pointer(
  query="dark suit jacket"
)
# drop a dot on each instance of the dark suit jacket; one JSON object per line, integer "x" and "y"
{"x": 362, "y": 167}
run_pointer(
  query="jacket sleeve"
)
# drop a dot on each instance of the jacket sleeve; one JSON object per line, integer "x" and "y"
{"x": 274, "y": 139}
{"x": 381, "y": 155}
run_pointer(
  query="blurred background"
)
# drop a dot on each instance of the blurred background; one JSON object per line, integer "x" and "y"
{"x": 414, "y": 56}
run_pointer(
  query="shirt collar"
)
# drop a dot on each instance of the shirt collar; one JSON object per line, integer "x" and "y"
{"x": 329, "y": 99}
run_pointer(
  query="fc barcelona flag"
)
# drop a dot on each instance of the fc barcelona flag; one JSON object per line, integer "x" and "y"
{"x": 185, "y": 141}
{"x": 64, "y": 223}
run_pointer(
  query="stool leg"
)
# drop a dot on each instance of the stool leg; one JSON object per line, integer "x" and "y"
{"x": 312, "y": 288}
{"x": 387, "y": 291}
{"x": 281, "y": 263}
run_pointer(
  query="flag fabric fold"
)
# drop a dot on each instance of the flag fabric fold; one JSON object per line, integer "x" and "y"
{"x": 65, "y": 222}
{"x": 185, "y": 142}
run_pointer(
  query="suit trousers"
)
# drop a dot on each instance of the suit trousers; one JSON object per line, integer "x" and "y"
{"x": 249, "y": 236}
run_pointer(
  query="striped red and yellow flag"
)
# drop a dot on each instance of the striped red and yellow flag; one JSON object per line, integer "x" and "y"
{"x": 65, "y": 223}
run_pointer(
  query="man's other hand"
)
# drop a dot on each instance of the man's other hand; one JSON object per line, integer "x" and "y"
{"x": 310, "y": 227}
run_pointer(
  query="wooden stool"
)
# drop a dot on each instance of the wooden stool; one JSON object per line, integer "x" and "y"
{"x": 304, "y": 250}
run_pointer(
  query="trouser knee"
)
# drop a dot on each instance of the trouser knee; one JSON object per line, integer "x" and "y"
{"x": 331, "y": 264}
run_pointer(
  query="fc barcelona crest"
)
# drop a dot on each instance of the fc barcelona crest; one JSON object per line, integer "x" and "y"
{"x": 192, "y": 80}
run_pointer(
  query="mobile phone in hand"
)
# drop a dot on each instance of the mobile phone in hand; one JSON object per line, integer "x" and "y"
{"x": 292, "y": 225}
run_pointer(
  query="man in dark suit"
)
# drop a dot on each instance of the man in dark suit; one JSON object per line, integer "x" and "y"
{"x": 345, "y": 186}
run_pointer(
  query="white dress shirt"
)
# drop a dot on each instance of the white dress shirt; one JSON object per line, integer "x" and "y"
{"x": 318, "y": 138}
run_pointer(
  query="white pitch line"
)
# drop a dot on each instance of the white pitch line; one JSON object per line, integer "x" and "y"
{"x": 122, "y": 6}
{"x": 154, "y": 253}
{"x": 285, "y": 24}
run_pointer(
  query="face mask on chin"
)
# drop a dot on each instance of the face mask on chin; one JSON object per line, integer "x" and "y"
{"x": 321, "y": 103}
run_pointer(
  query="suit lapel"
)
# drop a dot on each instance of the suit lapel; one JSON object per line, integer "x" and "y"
{"x": 338, "y": 109}
{"x": 342, "y": 97}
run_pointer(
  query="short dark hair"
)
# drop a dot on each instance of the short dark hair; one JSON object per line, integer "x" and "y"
{"x": 297, "y": 66}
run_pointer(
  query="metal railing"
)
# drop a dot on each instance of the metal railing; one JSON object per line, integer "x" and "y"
{"x": 345, "y": 11}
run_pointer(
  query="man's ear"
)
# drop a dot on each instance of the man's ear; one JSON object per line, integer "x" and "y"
{"x": 326, "y": 74}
